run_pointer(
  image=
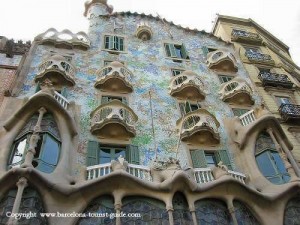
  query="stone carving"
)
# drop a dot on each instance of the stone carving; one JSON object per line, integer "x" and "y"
{"x": 163, "y": 170}
{"x": 220, "y": 170}
{"x": 119, "y": 164}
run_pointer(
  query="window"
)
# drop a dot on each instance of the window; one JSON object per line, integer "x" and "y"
{"x": 106, "y": 99}
{"x": 176, "y": 51}
{"x": 252, "y": 50}
{"x": 264, "y": 70}
{"x": 114, "y": 43}
{"x": 269, "y": 161}
{"x": 99, "y": 153}
{"x": 239, "y": 112}
{"x": 282, "y": 100}
{"x": 188, "y": 107}
{"x": 47, "y": 149}
{"x": 176, "y": 72}
{"x": 225, "y": 78}
{"x": 231, "y": 86}
{"x": 206, "y": 158}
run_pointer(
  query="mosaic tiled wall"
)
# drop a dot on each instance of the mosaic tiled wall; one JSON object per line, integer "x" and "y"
{"x": 151, "y": 69}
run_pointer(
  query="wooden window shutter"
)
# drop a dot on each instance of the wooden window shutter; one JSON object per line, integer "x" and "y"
{"x": 111, "y": 42}
{"x": 121, "y": 44}
{"x": 92, "y": 153}
{"x": 184, "y": 53}
{"x": 222, "y": 155}
{"x": 107, "y": 39}
{"x": 205, "y": 50}
{"x": 167, "y": 46}
{"x": 173, "y": 51}
{"x": 133, "y": 154}
{"x": 198, "y": 158}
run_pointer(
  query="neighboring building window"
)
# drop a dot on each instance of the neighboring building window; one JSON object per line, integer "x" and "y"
{"x": 188, "y": 107}
{"x": 252, "y": 50}
{"x": 47, "y": 149}
{"x": 176, "y": 51}
{"x": 282, "y": 100}
{"x": 114, "y": 43}
{"x": 264, "y": 70}
{"x": 225, "y": 78}
{"x": 269, "y": 161}
{"x": 239, "y": 112}
{"x": 204, "y": 158}
{"x": 99, "y": 153}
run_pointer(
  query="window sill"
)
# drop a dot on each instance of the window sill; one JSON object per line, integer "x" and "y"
{"x": 179, "y": 60}
{"x": 114, "y": 51}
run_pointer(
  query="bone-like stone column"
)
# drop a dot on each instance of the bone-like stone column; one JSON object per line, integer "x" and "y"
{"x": 21, "y": 184}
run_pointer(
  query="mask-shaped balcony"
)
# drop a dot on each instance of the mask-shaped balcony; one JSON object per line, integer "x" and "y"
{"x": 58, "y": 70}
{"x": 290, "y": 112}
{"x": 257, "y": 57}
{"x": 113, "y": 120}
{"x": 144, "y": 31}
{"x": 114, "y": 77}
{"x": 245, "y": 37}
{"x": 222, "y": 60}
{"x": 275, "y": 79}
{"x": 187, "y": 85}
{"x": 236, "y": 91}
{"x": 199, "y": 127}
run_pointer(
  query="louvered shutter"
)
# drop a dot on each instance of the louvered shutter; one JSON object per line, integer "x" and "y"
{"x": 222, "y": 155}
{"x": 198, "y": 159}
{"x": 184, "y": 53}
{"x": 133, "y": 154}
{"x": 92, "y": 153}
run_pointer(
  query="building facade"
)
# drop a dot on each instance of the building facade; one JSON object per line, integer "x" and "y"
{"x": 144, "y": 118}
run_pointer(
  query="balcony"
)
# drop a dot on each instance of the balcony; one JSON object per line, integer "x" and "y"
{"x": 222, "y": 60}
{"x": 144, "y": 31}
{"x": 275, "y": 80}
{"x": 58, "y": 70}
{"x": 199, "y": 127}
{"x": 289, "y": 112}
{"x": 187, "y": 85}
{"x": 257, "y": 57}
{"x": 114, "y": 77}
{"x": 201, "y": 175}
{"x": 248, "y": 118}
{"x": 113, "y": 120}
{"x": 245, "y": 37}
{"x": 236, "y": 91}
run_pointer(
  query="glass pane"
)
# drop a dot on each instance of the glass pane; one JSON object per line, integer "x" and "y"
{"x": 265, "y": 165}
{"x": 178, "y": 51}
{"x": 50, "y": 151}
{"x": 210, "y": 159}
{"x": 278, "y": 162}
{"x": 19, "y": 151}
{"x": 105, "y": 156}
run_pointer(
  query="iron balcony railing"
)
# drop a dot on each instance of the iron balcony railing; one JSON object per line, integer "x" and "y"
{"x": 245, "y": 36}
{"x": 289, "y": 111}
{"x": 275, "y": 79}
{"x": 259, "y": 57}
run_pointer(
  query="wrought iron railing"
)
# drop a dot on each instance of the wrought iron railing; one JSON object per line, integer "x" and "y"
{"x": 259, "y": 57}
{"x": 240, "y": 35}
{"x": 275, "y": 79}
{"x": 289, "y": 111}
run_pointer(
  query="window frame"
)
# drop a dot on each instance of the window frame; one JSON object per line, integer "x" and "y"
{"x": 183, "y": 51}
{"x": 114, "y": 51}
{"x": 194, "y": 103}
{"x": 225, "y": 75}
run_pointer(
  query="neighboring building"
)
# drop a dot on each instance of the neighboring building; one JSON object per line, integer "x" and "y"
{"x": 271, "y": 68}
{"x": 141, "y": 116}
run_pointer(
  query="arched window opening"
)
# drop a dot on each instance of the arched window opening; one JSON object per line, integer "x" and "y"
{"x": 147, "y": 211}
{"x": 99, "y": 211}
{"x": 212, "y": 211}
{"x": 181, "y": 213}
{"x": 292, "y": 212}
{"x": 47, "y": 148}
{"x": 30, "y": 202}
{"x": 269, "y": 161}
{"x": 243, "y": 215}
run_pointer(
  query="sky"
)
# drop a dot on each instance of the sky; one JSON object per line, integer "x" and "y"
{"x": 25, "y": 19}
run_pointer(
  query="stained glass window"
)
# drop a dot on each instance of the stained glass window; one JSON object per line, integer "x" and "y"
{"x": 212, "y": 212}
{"x": 181, "y": 213}
{"x": 292, "y": 212}
{"x": 147, "y": 212}
{"x": 243, "y": 215}
{"x": 97, "y": 211}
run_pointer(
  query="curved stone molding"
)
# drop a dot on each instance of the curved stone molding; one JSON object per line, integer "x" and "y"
{"x": 114, "y": 77}
{"x": 144, "y": 32}
{"x": 222, "y": 60}
{"x": 237, "y": 91}
{"x": 113, "y": 120}
{"x": 64, "y": 39}
{"x": 187, "y": 85}
{"x": 58, "y": 70}
{"x": 199, "y": 127}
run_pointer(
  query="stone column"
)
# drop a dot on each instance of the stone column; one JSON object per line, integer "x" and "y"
{"x": 34, "y": 140}
{"x": 170, "y": 213}
{"x": 231, "y": 211}
{"x": 21, "y": 184}
{"x": 193, "y": 212}
{"x": 118, "y": 206}
{"x": 287, "y": 157}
